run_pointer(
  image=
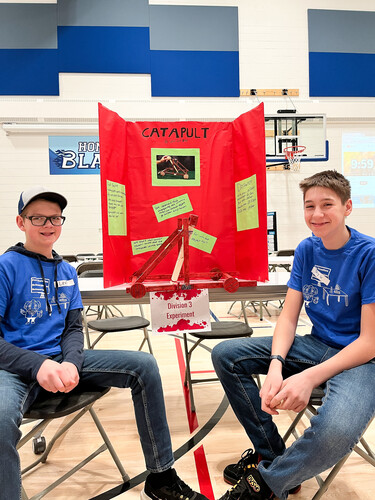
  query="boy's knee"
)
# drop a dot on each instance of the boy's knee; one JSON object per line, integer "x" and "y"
{"x": 220, "y": 353}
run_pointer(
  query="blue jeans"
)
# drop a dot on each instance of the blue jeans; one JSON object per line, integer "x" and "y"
{"x": 133, "y": 369}
{"x": 348, "y": 406}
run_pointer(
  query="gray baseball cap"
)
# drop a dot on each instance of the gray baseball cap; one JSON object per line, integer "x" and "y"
{"x": 38, "y": 192}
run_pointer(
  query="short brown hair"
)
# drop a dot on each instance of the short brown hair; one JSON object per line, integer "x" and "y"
{"x": 330, "y": 179}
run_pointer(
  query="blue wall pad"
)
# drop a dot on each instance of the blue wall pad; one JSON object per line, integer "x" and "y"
{"x": 341, "y": 31}
{"x": 194, "y": 74}
{"x": 103, "y": 49}
{"x": 342, "y": 75}
{"x": 103, "y": 13}
{"x": 24, "y": 26}
{"x": 341, "y": 53}
{"x": 187, "y": 50}
{"x": 193, "y": 28}
{"x": 29, "y": 72}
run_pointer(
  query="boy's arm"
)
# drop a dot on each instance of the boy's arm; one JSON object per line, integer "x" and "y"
{"x": 72, "y": 339}
{"x": 357, "y": 353}
{"x": 296, "y": 390}
{"x": 283, "y": 338}
{"x": 22, "y": 362}
{"x": 64, "y": 376}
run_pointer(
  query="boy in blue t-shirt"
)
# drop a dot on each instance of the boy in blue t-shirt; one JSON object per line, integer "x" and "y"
{"x": 41, "y": 347}
{"x": 333, "y": 275}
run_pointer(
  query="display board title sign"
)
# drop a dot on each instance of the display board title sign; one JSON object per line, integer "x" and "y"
{"x": 74, "y": 155}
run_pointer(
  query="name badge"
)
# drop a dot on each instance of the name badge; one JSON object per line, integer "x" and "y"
{"x": 65, "y": 283}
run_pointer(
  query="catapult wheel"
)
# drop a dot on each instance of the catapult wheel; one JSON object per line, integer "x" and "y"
{"x": 162, "y": 173}
{"x": 186, "y": 176}
{"x": 231, "y": 284}
{"x": 138, "y": 290}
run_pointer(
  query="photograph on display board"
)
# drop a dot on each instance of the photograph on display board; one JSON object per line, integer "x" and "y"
{"x": 175, "y": 167}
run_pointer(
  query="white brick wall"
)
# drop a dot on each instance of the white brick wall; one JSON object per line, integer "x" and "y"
{"x": 273, "y": 54}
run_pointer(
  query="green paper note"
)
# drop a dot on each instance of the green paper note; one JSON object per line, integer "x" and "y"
{"x": 172, "y": 207}
{"x": 202, "y": 241}
{"x": 116, "y": 209}
{"x": 148, "y": 245}
{"x": 247, "y": 204}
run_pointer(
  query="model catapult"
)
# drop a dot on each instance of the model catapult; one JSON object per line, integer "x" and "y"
{"x": 175, "y": 167}
{"x": 181, "y": 277}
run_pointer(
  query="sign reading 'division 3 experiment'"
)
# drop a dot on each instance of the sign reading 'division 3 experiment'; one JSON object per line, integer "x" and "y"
{"x": 75, "y": 155}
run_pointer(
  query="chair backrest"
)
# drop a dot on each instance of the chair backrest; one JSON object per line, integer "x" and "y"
{"x": 89, "y": 266}
{"x": 285, "y": 253}
{"x": 92, "y": 273}
{"x": 70, "y": 258}
{"x": 86, "y": 256}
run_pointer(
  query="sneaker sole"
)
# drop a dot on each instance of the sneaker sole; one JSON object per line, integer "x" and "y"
{"x": 144, "y": 495}
{"x": 230, "y": 481}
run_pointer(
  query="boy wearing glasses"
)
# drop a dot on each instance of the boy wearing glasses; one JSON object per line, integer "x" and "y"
{"x": 41, "y": 348}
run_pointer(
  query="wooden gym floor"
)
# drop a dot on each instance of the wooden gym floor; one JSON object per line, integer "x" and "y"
{"x": 202, "y": 460}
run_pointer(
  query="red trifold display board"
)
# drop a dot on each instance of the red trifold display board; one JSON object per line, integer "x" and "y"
{"x": 153, "y": 173}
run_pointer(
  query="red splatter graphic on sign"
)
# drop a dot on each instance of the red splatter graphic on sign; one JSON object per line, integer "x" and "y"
{"x": 183, "y": 325}
{"x": 184, "y": 294}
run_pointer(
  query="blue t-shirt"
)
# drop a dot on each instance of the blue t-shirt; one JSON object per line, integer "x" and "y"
{"x": 26, "y": 320}
{"x": 335, "y": 284}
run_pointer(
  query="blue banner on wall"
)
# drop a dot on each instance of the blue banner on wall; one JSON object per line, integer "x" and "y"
{"x": 74, "y": 155}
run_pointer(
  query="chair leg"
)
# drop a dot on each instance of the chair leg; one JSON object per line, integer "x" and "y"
{"x": 97, "y": 340}
{"x": 324, "y": 485}
{"x": 108, "y": 443}
{"x": 145, "y": 333}
{"x": 188, "y": 382}
{"x": 86, "y": 329}
{"x": 370, "y": 456}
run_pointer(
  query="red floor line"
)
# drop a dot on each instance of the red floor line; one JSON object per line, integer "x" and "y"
{"x": 201, "y": 466}
{"x": 203, "y": 371}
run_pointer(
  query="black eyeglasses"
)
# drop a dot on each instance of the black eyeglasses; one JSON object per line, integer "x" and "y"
{"x": 38, "y": 220}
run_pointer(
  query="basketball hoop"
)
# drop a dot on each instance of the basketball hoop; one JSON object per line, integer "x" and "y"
{"x": 294, "y": 154}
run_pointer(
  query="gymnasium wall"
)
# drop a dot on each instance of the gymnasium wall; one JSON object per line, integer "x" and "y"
{"x": 273, "y": 54}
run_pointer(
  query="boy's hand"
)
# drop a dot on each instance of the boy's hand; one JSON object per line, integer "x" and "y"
{"x": 294, "y": 394}
{"x": 72, "y": 371}
{"x": 56, "y": 377}
{"x": 270, "y": 388}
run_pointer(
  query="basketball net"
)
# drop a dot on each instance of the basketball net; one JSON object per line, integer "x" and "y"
{"x": 294, "y": 154}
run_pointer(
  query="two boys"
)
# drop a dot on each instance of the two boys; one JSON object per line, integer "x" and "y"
{"x": 41, "y": 347}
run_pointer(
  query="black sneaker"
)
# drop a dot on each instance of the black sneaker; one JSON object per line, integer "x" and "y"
{"x": 249, "y": 458}
{"x": 250, "y": 487}
{"x": 234, "y": 472}
{"x": 176, "y": 490}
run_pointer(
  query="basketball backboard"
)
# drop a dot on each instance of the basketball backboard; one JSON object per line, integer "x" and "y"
{"x": 292, "y": 129}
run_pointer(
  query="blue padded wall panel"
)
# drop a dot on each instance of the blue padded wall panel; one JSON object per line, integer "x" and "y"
{"x": 193, "y": 28}
{"x": 103, "y": 12}
{"x": 29, "y": 72}
{"x": 24, "y": 26}
{"x": 194, "y": 74}
{"x": 87, "y": 49}
{"x": 342, "y": 75}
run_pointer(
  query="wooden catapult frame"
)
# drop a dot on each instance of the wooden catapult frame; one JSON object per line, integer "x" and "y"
{"x": 176, "y": 168}
{"x": 181, "y": 276}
